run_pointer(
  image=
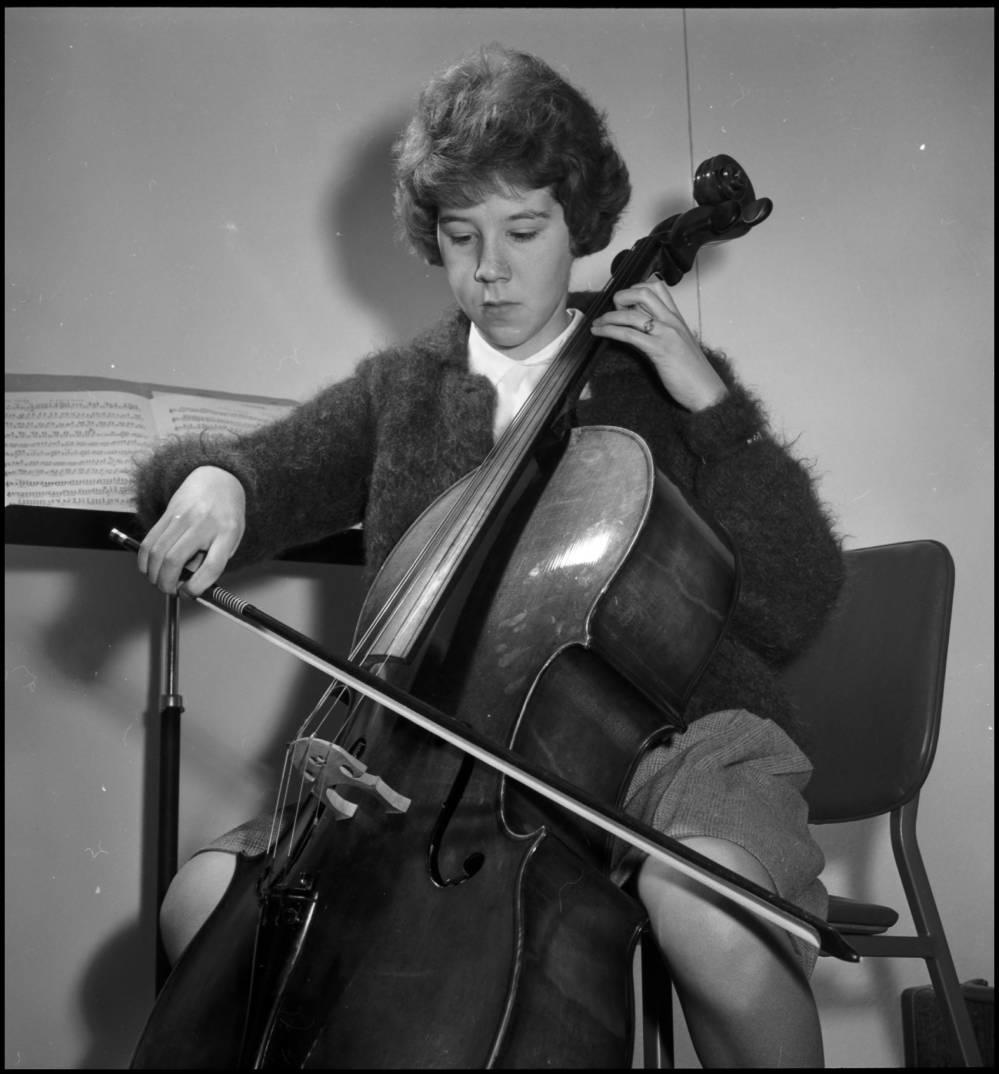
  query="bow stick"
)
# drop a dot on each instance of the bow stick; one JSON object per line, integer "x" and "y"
{"x": 758, "y": 900}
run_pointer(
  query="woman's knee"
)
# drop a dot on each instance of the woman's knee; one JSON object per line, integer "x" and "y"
{"x": 193, "y": 894}
{"x": 694, "y": 922}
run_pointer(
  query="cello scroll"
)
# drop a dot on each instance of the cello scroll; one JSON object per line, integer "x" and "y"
{"x": 727, "y": 208}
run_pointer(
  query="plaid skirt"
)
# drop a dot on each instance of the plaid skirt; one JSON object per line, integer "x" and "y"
{"x": 731, "y": 775}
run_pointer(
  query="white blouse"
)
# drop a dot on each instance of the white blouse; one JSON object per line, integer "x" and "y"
{"x": 514, "y": 380}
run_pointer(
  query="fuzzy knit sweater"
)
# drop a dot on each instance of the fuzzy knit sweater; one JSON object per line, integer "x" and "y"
{"x": 380, "y": 445}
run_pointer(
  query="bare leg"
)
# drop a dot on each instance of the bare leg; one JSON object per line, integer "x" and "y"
{"x": 745, "y": 997}
{"x": 193, "y": 894}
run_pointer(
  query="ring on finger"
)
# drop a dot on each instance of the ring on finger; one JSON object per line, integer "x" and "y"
{"x": 649, "y": 325}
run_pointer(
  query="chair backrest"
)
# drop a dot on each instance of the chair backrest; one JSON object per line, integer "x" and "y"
{"x": 869, "y": 691}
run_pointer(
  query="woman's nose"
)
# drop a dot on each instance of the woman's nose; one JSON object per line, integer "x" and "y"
{"x": 492, "y": 266}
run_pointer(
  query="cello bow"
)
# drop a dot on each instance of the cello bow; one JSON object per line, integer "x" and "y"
{"x": 765, "y": 904}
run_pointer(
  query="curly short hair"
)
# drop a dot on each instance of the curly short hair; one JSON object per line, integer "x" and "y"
{"x": 500, "y": 120}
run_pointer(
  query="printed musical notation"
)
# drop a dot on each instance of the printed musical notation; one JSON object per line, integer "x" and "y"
{"x": 74, "y": 442}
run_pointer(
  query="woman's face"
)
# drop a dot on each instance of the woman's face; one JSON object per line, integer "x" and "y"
{"x": 508, "y": 262}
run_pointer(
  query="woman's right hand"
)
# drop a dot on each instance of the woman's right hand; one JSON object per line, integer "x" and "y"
{"x": 200, "y": 529}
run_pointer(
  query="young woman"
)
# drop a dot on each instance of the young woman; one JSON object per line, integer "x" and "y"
{"x": 504, "y": 176}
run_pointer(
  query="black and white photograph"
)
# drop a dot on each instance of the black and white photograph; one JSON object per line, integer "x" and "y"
{"x": 499, "y": 535}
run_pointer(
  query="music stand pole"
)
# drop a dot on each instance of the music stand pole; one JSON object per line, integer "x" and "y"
{"x": 172, "y": 705}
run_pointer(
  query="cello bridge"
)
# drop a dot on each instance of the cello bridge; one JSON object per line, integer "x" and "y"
{"x": 327, "y": 767}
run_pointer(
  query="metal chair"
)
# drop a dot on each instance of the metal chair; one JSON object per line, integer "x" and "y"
{"x": 871, "y": 690}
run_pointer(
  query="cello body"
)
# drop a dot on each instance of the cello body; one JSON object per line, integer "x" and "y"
{"x": 479, "y": 928}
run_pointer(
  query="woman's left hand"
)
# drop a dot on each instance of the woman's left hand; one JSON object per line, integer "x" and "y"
{"x": 646, "y": 317}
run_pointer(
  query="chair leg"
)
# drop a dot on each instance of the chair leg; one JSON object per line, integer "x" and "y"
{"x": 943, "y": 975}
{"x": 657, "y": 1007}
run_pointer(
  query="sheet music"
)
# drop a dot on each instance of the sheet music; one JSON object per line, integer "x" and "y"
{"x": 73, "y": 449}
{"x": 79, "y": 448}
{"x": 183, "y": 414}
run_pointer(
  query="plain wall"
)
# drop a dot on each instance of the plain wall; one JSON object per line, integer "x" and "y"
{"x": 202, "y": 197}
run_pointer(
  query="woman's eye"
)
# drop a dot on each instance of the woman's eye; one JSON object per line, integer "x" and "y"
{"x": 523, "y": 236}
{"x": 459, "y": 240}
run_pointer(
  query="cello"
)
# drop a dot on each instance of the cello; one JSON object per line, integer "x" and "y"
{"x": 474, "y": 924}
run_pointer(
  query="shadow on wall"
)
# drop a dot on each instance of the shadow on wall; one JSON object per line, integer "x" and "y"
{"x": 114, "y": 1015}
{"x": 80, "y": 641}
{"x": 364, "y": 250}
{"x": 84, "y": 635}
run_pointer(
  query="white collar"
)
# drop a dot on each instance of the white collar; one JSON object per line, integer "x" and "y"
{"x": 486, "y": 359}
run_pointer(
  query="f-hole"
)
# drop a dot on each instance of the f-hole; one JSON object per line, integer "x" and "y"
{"x": 474, "y": 862}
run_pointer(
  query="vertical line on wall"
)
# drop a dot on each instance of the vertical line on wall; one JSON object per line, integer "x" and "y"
{"x": 690, "y": 150}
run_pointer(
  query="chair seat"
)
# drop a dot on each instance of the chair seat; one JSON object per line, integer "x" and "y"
{"x": 860, "y": 918}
